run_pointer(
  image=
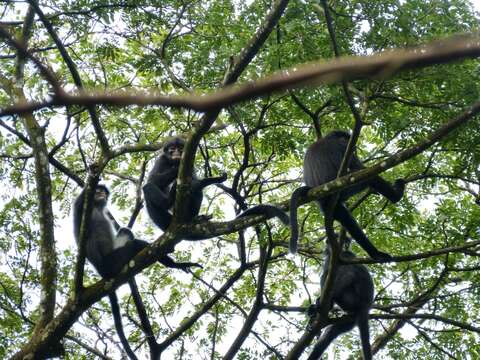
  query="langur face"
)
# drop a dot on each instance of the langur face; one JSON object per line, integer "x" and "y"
{"x": 175, "y": 151}
{"x": 101, "y": 196}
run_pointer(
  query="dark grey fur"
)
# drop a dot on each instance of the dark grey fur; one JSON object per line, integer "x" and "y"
{"x": 321, "y": 164}
{"x": 353, "y": 291}
{"x": 160, "y": 190}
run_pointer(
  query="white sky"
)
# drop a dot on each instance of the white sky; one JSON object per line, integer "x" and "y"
{"x": 65, "y": 240}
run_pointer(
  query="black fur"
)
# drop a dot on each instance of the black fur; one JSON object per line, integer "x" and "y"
{"x": 321, "y": 164}
{"x": 100, "y": 242}
{"x": 109, "y": 250}
{"x": 296, "y": 195}
{"x": 160, "y": 189}
{"x": 269, "y": 211}
{"x": 353, "y": 291}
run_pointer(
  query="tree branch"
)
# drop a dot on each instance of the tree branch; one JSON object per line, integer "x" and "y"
{"x": 75, "y": 75}
{"x": 382, "y": 65}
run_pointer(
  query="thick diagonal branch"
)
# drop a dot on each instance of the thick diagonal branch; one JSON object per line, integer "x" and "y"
{"x": 383, "y": 65}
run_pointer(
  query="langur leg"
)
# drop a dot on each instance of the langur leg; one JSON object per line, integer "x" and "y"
{"x": 138, "y": 245}
{"x": 394, "y": 192}
{"x": 170, "y": 263}
{"x": 197, "y": 195}
{"x": 195, "y": 202}
{"x": 343, "y": 215}
{"x": 155, "y": 196}
{"x": 117, "y": 259}
{"x": 328, "y": 335}
{"x": 157, "y": 206}
{"x": 114, "y": 262}
{"x": 352, "y": 190}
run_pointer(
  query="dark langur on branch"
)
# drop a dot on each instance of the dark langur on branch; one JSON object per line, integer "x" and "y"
{"x": 353, "y": 292}
{"x": 321, "y": 165}
{"x": 160, "y": 190}
{"x": 109, "y": 249}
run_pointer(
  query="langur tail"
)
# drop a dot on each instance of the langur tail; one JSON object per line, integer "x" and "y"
{"x": 362, "y": 322}
{"x": 117, "y": 319}
{"x": 297, "y": 194}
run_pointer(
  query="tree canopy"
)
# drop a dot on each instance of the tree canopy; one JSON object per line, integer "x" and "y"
{"x": 89, "y": 91}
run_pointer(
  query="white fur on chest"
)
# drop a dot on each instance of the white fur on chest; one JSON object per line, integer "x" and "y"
{"x": 120, "y": 241}
{"x": 111, "y": 233}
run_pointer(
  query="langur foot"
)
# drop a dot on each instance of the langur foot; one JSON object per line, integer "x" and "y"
{"x": 222, "y": 178}
{"x": 202, "y": 218}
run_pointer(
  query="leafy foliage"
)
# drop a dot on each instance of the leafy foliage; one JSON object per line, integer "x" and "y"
{"x": 424, "y": 307}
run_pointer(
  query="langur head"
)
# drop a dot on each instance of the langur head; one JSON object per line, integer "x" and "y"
{"x": 173, "y": 149}
{"x": 101, "y": 195}
{"x": 338, "y": 134}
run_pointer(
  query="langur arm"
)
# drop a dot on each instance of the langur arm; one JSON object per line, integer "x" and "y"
{"x": 393, "y": 193}
{"x": 356, "y": 164}
{"x": 77, "y": 214}
{"x": 164, "y": 178}
{"x": 171, "y": 195}
{"x": 198, "y": 185}
{"x": 116, "y": 225}
{"x": 329, "y": 334}
{"x": 156, "y": 196}
{"x": 163, "y": 172}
